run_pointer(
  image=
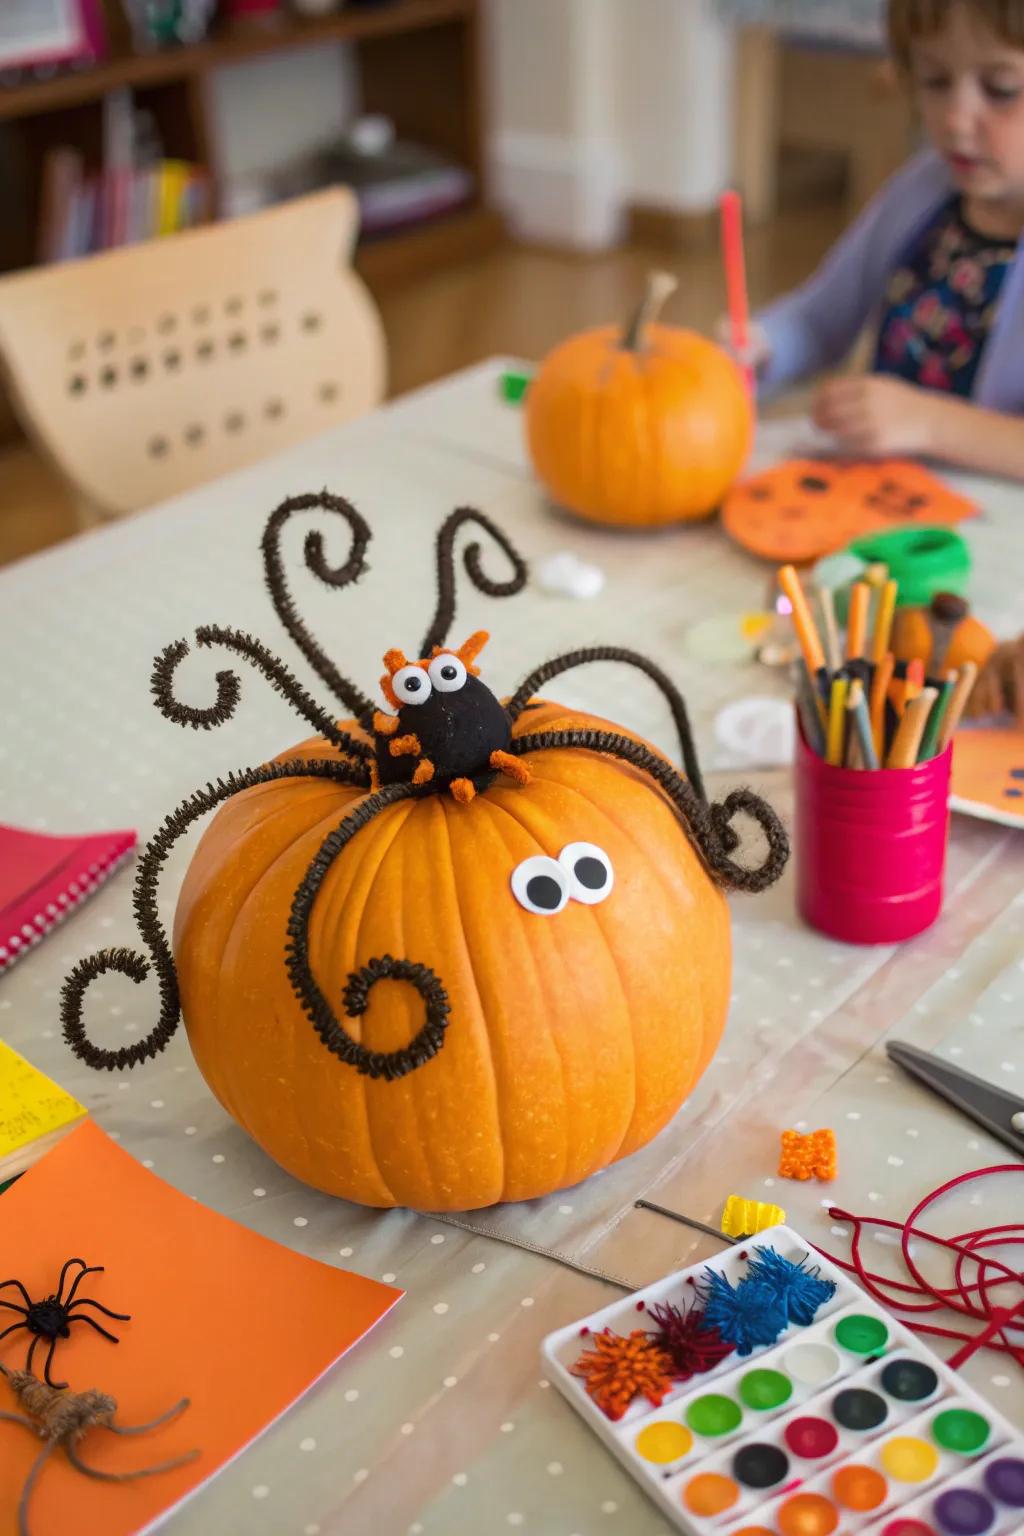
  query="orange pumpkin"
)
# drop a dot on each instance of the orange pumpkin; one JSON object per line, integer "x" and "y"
{"x": 944, "y": 635}
{"x": 807, "y": 508}
{"x": 571, "y": 1043}
{"x": 640, "y": 428}
{"x": 464, "y": 952}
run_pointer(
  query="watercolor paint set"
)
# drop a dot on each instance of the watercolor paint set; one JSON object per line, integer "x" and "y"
{"x": 762, "y": 1393}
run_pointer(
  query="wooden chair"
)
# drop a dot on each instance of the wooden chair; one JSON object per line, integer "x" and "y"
{"x": 144, "y": 371}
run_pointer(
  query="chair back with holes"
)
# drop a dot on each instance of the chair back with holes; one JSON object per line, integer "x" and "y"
{"x": 150, "y": 369}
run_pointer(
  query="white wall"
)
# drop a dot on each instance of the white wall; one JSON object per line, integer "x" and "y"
{"x": 598, "y": 104}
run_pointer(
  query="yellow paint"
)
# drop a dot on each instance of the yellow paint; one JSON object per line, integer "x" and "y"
{"x": 909, "y": 1460}
{"x": 744, "y": 1218}
{"x": 663, "y": 1442}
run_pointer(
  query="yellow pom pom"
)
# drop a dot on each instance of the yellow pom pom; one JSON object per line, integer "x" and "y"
{"x": 744, "y": 1218}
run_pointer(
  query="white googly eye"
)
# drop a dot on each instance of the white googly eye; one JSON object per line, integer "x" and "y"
{"x": 590, "y": 872}
{"x": 540, "y": 885}
{"x": 447, "y": 673}
{"x": 411, "y": 685}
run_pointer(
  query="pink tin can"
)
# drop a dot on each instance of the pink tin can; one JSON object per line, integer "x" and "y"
{"x": 870, "y": 847}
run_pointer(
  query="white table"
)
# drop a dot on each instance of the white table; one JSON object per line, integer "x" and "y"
{"x": 440, "y": 1422}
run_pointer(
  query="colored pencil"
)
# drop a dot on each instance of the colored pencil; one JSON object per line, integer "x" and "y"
{"x": 883, "y": 621}
{"x": 914, "y": 680}
{"x": 860, "y": 724}
{"x": 879, "y": 694}
{"x": 907, "y": 741}
{"x": 857, "y": 621}
{"x": 837, "y": 721}
{"x": 736, "y": 278}
{"x": 957, "y": 704}
{"x": 808, "y": 703}
{"x": 930, "y": 739}
{"x": 827, "y": 603}
{"x": 807, "y": 634}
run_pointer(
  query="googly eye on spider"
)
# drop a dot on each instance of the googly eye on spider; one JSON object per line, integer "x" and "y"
{"x": 590, "y": 872}
{"x": 412, "y": 685}
{"x": 541, "y": 885}
{"x": 447, "y": 673}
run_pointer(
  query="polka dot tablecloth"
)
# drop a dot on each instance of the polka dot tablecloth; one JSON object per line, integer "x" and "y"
{"x": 440, "y": 1422}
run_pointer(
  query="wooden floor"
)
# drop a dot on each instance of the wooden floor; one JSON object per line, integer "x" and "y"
{"x": 514, "y": 301}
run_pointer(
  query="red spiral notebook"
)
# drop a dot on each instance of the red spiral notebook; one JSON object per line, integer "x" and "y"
{"x": 43, "y": 878}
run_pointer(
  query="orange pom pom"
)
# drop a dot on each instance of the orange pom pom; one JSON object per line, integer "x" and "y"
{"x": 808, "y": 1157}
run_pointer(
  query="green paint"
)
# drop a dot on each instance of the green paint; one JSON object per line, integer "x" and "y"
{"x": 765, "y": 1389}
{"x": 713, "y": 1415}
{"x": 514, "y": 387}
{"x": 960, "y": 1430}
{"x": 862, "y": 1335}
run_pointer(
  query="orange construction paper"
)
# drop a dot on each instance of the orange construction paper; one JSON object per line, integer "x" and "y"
{"x": 988, "y": 775}
{"x": 235, "y": 1322}
{"x": 805, "y": 509}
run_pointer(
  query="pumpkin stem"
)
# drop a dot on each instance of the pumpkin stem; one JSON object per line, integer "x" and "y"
{"x": 659, "y": 286}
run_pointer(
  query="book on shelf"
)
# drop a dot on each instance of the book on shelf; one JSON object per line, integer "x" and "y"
{"x": 120, "y": 205}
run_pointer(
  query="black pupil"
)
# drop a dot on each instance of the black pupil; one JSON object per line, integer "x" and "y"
{"x": 813, "y": 483}
{"x": 448, "y": 673}
{"x": 413, "y": 684}
{"x": 590, "y": 872}
{"x": 545, "y": 892}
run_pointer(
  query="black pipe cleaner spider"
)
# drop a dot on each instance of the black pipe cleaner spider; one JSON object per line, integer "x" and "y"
{"x": 450, "y": 733}
{"x": 52, "y": 1317}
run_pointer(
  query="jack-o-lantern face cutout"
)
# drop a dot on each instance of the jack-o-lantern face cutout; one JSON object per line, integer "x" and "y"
{"x": 808, "y": 508}
{"x": 988, "y": 775}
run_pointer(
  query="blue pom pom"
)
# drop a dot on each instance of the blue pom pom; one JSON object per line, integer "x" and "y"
{"x": 798, "y": 1290}
{"x": 749, "y": 1315}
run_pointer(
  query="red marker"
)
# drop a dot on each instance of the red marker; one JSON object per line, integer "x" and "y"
{"x": 736, "y": 277}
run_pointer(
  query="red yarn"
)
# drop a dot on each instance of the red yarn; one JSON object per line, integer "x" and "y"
{"x": 975, "y": 1276}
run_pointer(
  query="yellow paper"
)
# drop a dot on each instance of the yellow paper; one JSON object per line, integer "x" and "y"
{"x": 31, "y": 1105}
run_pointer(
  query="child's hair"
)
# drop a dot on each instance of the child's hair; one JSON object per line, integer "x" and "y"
{"x": 911, "y": 19}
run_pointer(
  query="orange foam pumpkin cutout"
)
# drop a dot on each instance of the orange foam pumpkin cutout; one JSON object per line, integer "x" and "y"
{"x": 944, "y": 635}
{"x": 413, "y": 996}
{"x": 639, "y": 427}
{"x": 805, "y": 509}
{"x": 988, "y": 775}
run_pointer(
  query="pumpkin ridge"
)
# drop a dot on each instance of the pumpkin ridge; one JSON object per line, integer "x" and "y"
{"x": 495, "y": 805}
{"x": 448, "y": 809}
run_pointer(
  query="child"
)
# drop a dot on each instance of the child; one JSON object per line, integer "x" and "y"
{"x": 936, "y": 258}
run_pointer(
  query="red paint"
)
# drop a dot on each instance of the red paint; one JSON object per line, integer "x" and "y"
{"x": 908, "y": 1528}
{"x": 811, "y": 1438}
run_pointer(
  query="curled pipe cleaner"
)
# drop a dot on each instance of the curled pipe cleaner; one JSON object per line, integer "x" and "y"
{"x": 976, "y": 1275}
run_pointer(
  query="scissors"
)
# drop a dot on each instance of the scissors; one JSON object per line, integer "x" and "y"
{"x": 1001, "y": 1113}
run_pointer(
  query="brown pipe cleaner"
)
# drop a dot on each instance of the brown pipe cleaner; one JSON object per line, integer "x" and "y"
{"x": 444, "y": 615}
{"x": 709, "y": 825}
{"x": 332, "y": 576}
{"x": 676, "y": 703}
{"x": 135, "y": 965}
{"x": 229, "y": 689}
{"x": 63, "y": 1419}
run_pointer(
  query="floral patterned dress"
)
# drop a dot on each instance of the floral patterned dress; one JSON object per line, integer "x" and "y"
{"x": 940, "y": 304}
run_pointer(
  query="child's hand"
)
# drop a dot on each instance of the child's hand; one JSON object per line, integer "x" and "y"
{"x": 876, "y": 415}
{"x": 758, "y": 351}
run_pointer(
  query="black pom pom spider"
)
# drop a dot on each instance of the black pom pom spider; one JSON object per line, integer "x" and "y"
{"x": 450, "y": 734}
{"x": 52, "y": 1317}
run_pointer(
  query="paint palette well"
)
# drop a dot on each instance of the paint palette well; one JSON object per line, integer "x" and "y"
{"x": 846, "y": 1424}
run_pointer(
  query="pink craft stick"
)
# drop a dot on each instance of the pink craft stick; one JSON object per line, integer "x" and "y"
{"x": 736, "y": 277}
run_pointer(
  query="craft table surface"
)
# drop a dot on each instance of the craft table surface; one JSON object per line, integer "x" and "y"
{"x": 441, "y": 1421}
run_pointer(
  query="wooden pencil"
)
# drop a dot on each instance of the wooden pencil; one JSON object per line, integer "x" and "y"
{"x": 907, "y": 741}
{"x": 827, "y": 603}
{"x": 930, "y": 739}
{"x": 837, "y": 721}
{"x": 883, "y": 621}
{"x": 957, "y": 704}
{"x": 859, "y": 728}
{"x": 879, "y": 695}
{"x": 808, "y": 703}
{"x": 807, "y": 634}
{"x": 857, "y": 620}
{"x": 915, "y": 680}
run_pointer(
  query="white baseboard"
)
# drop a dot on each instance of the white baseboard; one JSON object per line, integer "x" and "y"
{"x": 558, "y": 192}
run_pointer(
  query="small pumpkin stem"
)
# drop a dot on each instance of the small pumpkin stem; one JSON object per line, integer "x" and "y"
{"x": 658, "y": 288}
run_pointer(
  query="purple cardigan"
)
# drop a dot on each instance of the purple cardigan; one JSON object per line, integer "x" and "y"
{"x": 814, "y": 327}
